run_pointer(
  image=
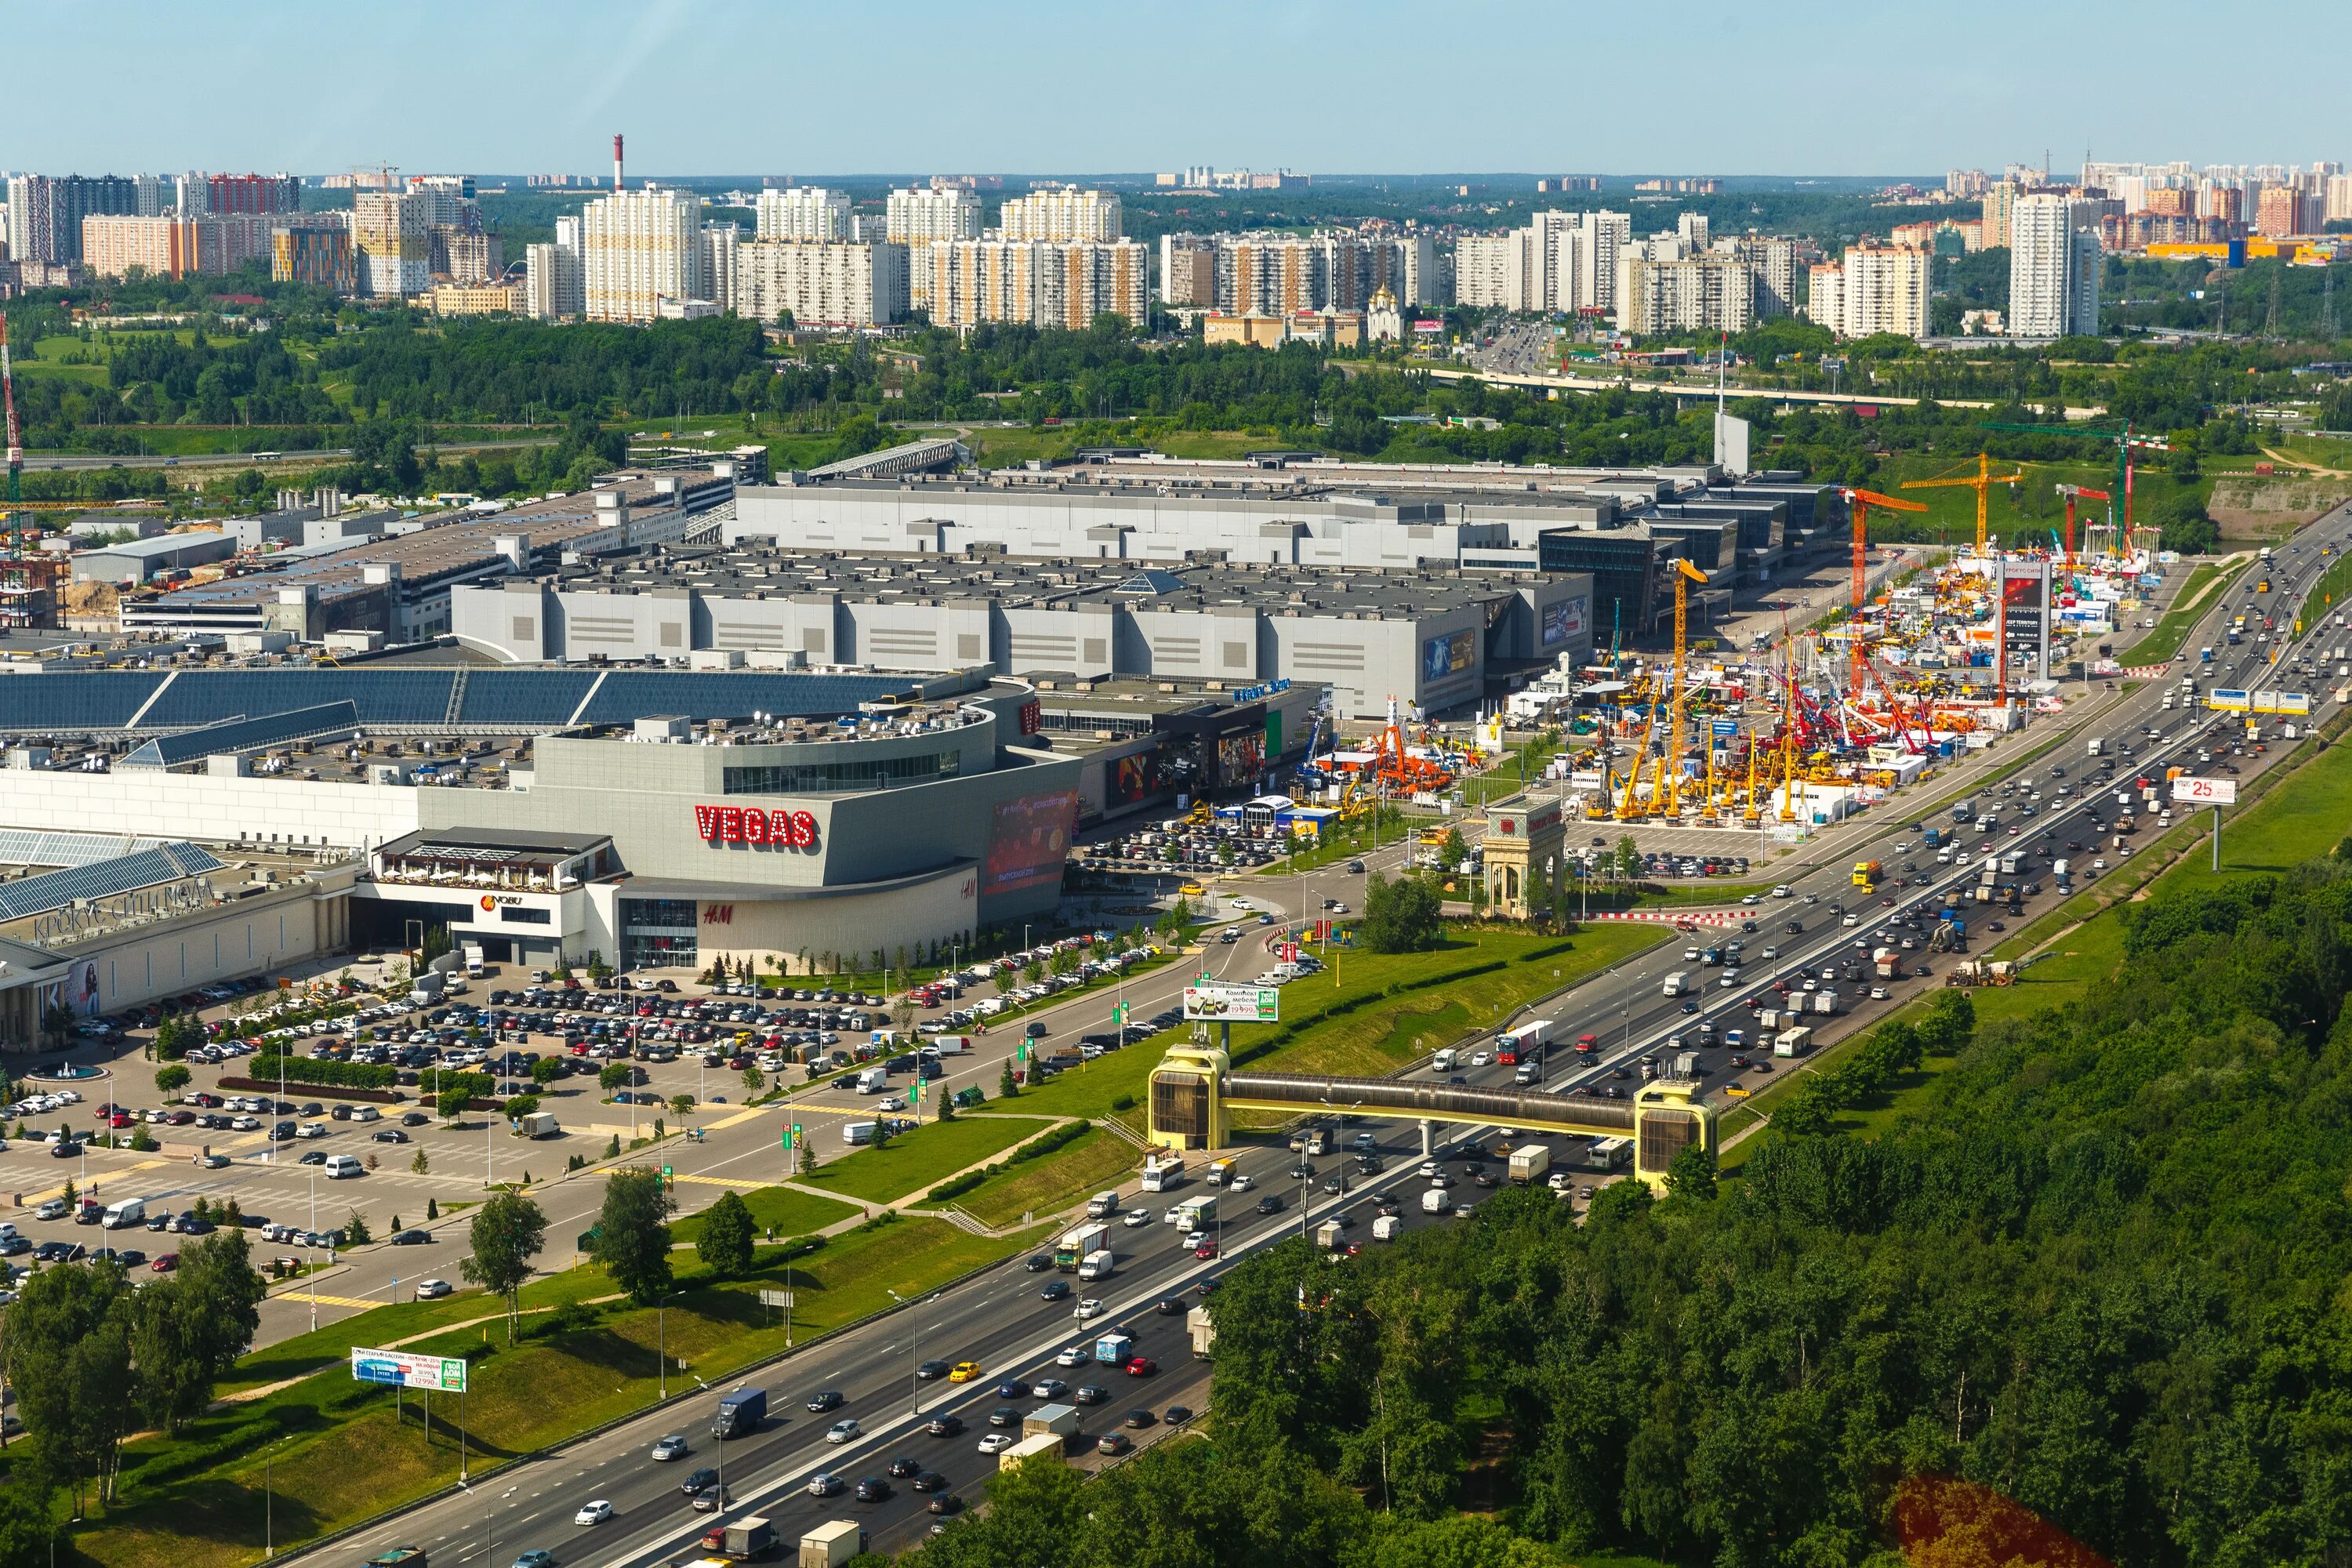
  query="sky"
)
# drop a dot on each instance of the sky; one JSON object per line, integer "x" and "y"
{"x": 1322, "y": 87}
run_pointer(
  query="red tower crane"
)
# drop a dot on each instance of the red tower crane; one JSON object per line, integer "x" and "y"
{"x": 2071, "y": 492}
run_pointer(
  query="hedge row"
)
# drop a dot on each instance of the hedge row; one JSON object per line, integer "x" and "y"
{"x": 273, "y": 1065}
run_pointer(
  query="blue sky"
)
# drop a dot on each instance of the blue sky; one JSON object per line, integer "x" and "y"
{"x": 1372, "y": 86}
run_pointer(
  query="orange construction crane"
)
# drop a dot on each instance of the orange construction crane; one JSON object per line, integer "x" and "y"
{"x": 2071, "y": 492}
{"x": 1859, "y": 501}
{"x": 1685, "y": 575}
{"x": 1982, "y": 481}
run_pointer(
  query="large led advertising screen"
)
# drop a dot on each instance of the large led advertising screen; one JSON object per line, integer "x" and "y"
{"x": 1028, "y": 841}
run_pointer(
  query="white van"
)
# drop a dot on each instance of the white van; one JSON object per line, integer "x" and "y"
{"x": 858, "y": 1132}
{"x": 127, "y": 1214}
{"x": 340, "y": 1165}
{"x": 874, "y": 1080}
{"x": 366, "y": 1113}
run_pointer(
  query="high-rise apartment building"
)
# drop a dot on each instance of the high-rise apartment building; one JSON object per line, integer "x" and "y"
{"x": 552, "y": 286}
{"x": 2336, "y": 201}
{"x": 1675, "y": 293}
{"x": 2054, "y": 261}
{"x": 638, "y": 248}
{"x": 1693, "y": 229}
{"x": 823, "y": 283}
{"x": 388, "y": 236}
{"x": 1037, "y": 282}
{"x": 317, "y": 254}
{"x": 919, "y": 217}
{"x": 720, "y": 253}
{"x": 2280, "y": 212}
{"x": 1490, "y": 271}
{"x": 218, "y": 193}
{"x": 1875, "y": 289}
{"x": 802, "y": 212}
{"x": 1063, "y": 213}
{"x": 2000, "y": 201}
{"x": 1188, "y": 270}
{"x": 1775, "y": 261}
{"x": 46, "y": 211}
{"x": 1601, "y": 235}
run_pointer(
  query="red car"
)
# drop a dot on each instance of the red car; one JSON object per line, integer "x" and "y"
{"x": 119, "y": 1121}
{"x": 1206, "y": 1249}
{"x": 166, "y": 1263}
{"x": 1141, "y": 1366}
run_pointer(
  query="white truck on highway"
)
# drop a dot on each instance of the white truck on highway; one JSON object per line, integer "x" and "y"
{"x": 1437, "y": 1200}
{"x": 1678, "y": 983}
{"x": 1528, "y": 1164}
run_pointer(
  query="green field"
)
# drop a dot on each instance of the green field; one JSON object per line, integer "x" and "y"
{"x": 782, "y": 1210}
{"x": 2194, "y": 601}
{"x": 337, "y": 1454}
{"x": 913, "y": 1160}
{"x": 1080, "y": 1168}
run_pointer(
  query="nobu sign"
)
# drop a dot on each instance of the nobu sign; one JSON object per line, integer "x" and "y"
{"x": 750, "y": 825}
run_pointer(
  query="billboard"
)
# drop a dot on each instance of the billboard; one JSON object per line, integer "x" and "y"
{"x": 1218, "y": 1003}
{"x": 1131, "y": 778}
{"x": 404, "y": 1370}
{"x": 1562, "y": 620}
{"x": 1240, "y": 757}
{"x": 1443, "y": 658}
{"x": 2187, "y": 791}
{"x": 1028, "y": 841}
{"x": 2025, "y": 614}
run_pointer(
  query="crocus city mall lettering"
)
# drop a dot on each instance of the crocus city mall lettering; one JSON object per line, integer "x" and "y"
{"x": 750, "y": 825}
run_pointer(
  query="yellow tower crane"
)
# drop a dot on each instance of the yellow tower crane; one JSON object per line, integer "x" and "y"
{"x": 1685, "y": 575}
{"x": 1982, "y": 481}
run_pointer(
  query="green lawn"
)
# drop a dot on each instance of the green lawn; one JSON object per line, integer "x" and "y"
{"x": 913, "y": 1160}
{"x": 2195, "y": 600}
{"x": 337, "y": 1455}
{"x": 783, "y": 1210}
{"x": 1080, "y": 1168}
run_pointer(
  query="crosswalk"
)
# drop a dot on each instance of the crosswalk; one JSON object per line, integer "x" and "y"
{"x": 323, "y": 1300}
{"x": 747, "y": 1184}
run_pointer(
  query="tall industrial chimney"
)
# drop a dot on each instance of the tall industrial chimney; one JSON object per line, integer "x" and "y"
{"x": 617, "y": 161}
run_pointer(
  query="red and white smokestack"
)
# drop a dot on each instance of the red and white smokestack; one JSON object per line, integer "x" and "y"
{"x": 616, "y": 160}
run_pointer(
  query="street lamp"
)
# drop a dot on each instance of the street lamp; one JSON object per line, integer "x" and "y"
{"x": 914, "y": 1354}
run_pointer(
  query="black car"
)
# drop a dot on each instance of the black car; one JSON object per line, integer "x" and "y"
{"x": 1039, "y": 1262}
{"x": 873, "y": 1488}
{"x": 929, "y": 1482}
{"x": 1178, "y": 1415}
{"x": 412, "y": 1239}
{"x": 1169, "y": 1306}
{"x": 947, "y": 1503}
{"x": 1140, "y": 1418}
{"x": 905, "y": 1464}
{"x": 391, "y": 1135}
{"x": 1056, "y": 1290}
{"x": 1005, "y": 1415}
{"x": 58, "y": 1252}
{"x": 944, "y": 1426}
{"x": 64, "y": 1151}
{"x": 1269, "y": 1204}
{"x": 1087, "y": 1394}
{"x": 827, "y": 1399}
{"x": 931, "y": 1371}
{"x": 128, "y": 1256}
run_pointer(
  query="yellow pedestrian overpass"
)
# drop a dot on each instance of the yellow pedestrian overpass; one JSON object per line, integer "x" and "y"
{"x": 1195, "y": 1089}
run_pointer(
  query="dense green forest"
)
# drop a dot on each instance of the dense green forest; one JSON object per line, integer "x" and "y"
{"x": 2104, "y": 1276}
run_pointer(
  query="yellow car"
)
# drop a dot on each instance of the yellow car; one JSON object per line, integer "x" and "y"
{"x": 963, "y": 1372}
{"x": 1192, "y": 890}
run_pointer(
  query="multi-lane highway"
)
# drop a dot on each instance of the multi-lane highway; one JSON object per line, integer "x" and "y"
{"x": 1001, "y": 1320}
